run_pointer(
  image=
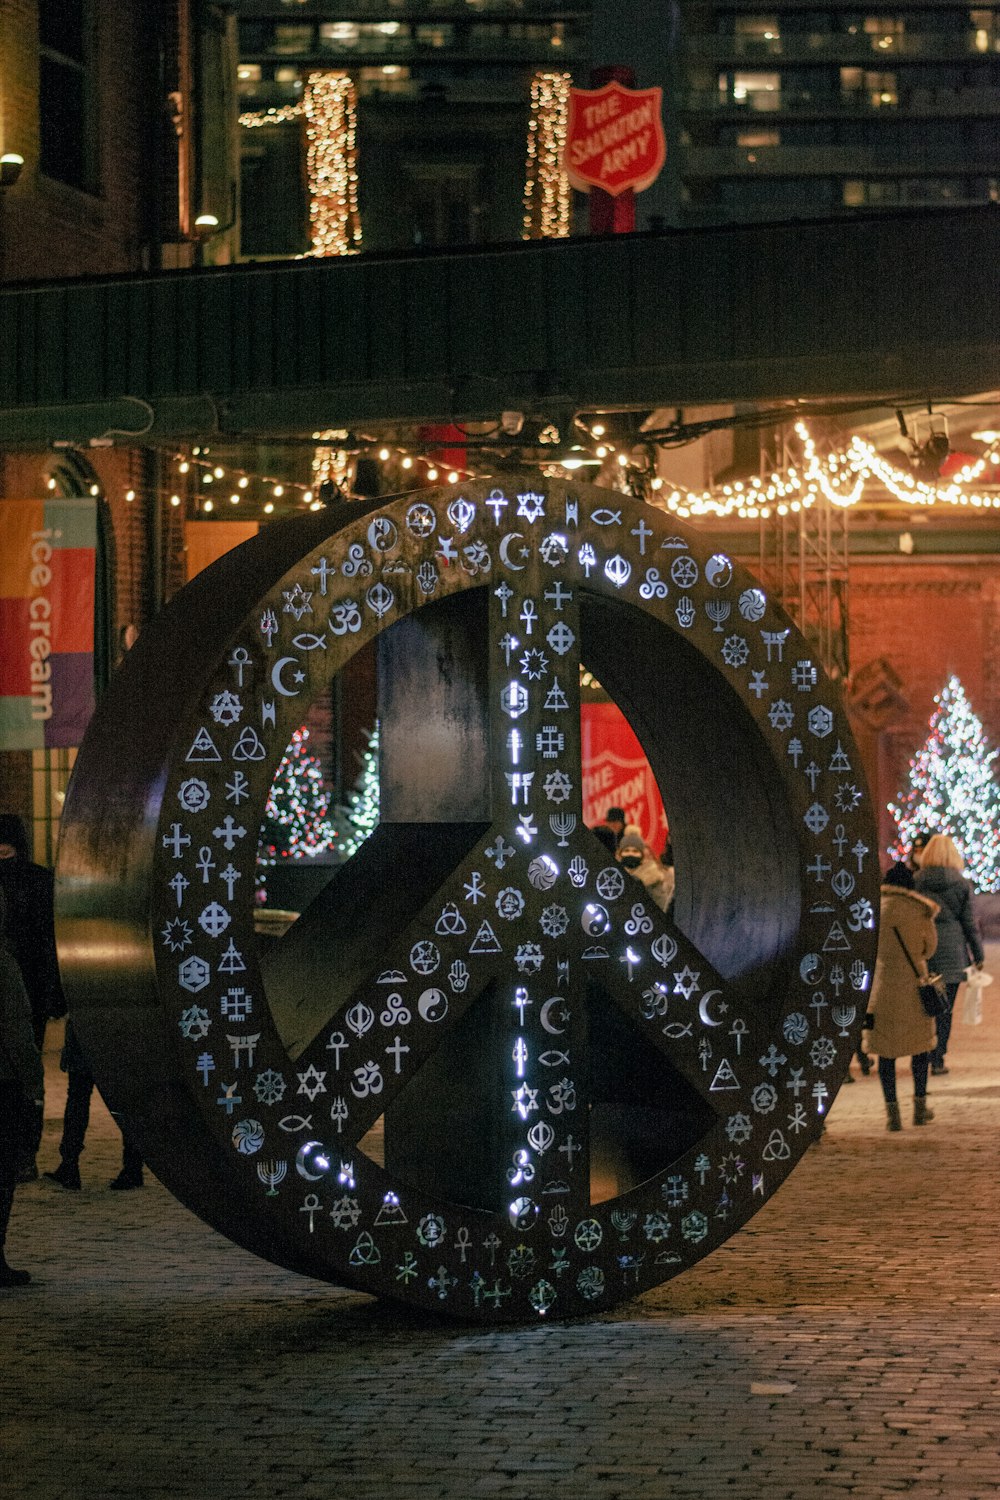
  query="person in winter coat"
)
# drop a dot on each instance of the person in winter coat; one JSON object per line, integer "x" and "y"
{"x": 901, "y": 1026}
{"x": 20, "y": 1088}
{"x": 639, "y": 861}
{"x": 959, "y": 939}
{"x": 27, "y": 889}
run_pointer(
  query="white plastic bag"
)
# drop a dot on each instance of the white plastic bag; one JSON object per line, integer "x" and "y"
{"x": 976, "y": 981}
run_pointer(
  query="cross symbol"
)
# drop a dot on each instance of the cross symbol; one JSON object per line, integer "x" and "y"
{"x": 229, "y": 875}
{"x": 514, "y": 743}
{"x": 642, "y": 531}
{"x": 395, "y": 1052}
{"x": 757, "y": 684}
{"x": 859, "y": 851}
{"x": 569, "y": 1148}
{"x": 813, "y": 772}
{"x": 205, "y": 1065}
{"x": 559, "y": 596}
{"x": 496, "y": 1294}
{"x": 504, "y": 593}
{"x": 519, "y": 1001}
{"x": 337, "y": 1044}
{"x": 179, "y": 885}
{"x": 446, "y": 549}
{"x": 176, "y": 840}
{"x": 240, "y": 659}
{"x": 323, "y": 572}
{"x": 229, "y": 832}
{"x": 795, "y": 751}
{"x": 819, "y": 868}
{"x": 508, "y": 645}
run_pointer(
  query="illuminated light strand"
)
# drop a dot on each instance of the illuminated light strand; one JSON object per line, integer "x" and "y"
{"x": 547, "y": 197}
{"x": 840, "y": 478}
{"x": 330, "y": 108}
{"x": 254, "y": 119}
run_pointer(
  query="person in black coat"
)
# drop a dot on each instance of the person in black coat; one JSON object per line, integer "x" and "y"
{"x": 959, "y": 940}
{"x": 20, "y": 1089}
{"x": 28, "y": 892}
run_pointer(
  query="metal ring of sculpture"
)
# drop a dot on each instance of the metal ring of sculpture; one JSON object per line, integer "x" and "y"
{"x": 576, "y": 1096}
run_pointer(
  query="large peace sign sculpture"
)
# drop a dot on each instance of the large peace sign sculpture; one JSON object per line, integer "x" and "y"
{"x": 483, "y": 1072}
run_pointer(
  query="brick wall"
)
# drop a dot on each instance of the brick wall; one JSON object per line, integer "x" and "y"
{"x": 49, "y": 229}
{"x": 927, "y": 619}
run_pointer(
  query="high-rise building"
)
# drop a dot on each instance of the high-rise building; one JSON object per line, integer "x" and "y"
{"x": 820, "y": 107}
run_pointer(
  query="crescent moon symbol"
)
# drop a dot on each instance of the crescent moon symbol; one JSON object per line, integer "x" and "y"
{"x": 300, "y": 1161}
{"x": 544, "y": 1016}
{"x": 505, "y": 551}
{"x": 276, "y": 681}
{"x": 703, "y": 1008}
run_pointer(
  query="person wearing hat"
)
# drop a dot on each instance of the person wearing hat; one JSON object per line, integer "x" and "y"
{"x": 614, "y": 819}
{"x": 637, "y": 858}
{"x": 28, "y": 891}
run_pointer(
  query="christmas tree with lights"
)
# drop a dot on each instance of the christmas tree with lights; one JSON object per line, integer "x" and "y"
{"x": 362, "y": 810}
{"x": 953, "y": 789}
{"x": 297, "y": 821}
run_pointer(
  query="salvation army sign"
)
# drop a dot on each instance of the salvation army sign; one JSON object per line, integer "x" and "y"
{"x": 614, "y": 138}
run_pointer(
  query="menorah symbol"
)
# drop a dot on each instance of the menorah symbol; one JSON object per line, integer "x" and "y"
{"x": 562, "y": 825}
{"x": 623, "y": 1221}
{"x": 718, "y": 610}
{"x": 270, "y": 1174}
{"x": 842, "y": 1016}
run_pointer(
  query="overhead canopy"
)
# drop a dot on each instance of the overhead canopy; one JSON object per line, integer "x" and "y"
{"x": 900, "y": 305}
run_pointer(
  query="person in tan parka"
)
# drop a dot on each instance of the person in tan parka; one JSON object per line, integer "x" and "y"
{"x": 901, "y": 1026}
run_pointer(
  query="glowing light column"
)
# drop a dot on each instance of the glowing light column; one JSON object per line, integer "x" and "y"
{"x": 330, "y": 106}
{"x": 546, "y": 186}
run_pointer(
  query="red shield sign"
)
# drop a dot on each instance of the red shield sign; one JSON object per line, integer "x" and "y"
{"x": 616, "y": 773}
{"x": 614, "y": 138}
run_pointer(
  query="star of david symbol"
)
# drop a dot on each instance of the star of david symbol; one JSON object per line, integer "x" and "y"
{"x": 298, "y": 602}
{"x": 312, "y": 1083}
{"x": 531, "y": 506}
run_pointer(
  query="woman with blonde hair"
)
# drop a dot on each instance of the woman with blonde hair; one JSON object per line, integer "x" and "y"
{"x": 959, "y": 940}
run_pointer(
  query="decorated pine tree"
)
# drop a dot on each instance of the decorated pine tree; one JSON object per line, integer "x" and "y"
{"x": 953, "y": 789}
{"x": 362, "y": 810}
{"x": 296, "y": 816}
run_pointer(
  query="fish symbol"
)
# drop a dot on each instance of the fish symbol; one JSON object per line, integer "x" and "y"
{"x": 554, "y": 1059}
{"x": 677, "y": 1029}
{"x": 605, "y": 517}
{"x": 295, "y": 1123}
{"x": 308, "y": 642}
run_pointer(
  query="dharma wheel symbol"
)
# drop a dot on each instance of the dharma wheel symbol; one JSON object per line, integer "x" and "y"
{"x": 482, "y": 990}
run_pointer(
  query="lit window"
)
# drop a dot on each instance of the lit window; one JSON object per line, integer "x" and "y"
{"x": 760, "y": 91}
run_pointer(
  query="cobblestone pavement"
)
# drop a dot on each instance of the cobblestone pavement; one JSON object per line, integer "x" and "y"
{"x": 151, "y": 1358}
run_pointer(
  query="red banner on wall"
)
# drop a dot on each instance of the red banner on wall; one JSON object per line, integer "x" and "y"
{"x": 616, "y": 774}
{"x": 47, "y": 550}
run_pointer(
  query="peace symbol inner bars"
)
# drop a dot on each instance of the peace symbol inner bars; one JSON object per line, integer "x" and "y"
{"x": 730, "y": 1024}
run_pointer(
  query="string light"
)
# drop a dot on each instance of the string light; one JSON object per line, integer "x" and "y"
{"x": 330, "y": 106}
{"x": 547, "y": 197}
{"x": 841, "y": 478}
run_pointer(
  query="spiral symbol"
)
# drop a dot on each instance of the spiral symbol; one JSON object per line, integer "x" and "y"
{"x": 248, "y": 1136}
